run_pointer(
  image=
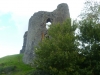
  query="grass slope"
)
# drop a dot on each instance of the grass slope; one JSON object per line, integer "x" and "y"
{"x": 13, "y": 65}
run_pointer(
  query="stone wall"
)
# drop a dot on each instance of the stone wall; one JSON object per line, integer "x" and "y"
{"x": 37, "y": 28}
{"x": 24, "y": 43}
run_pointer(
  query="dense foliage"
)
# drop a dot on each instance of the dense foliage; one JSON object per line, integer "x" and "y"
{"x": 58, "y": 54}
{"x": 90, "y": 37}
{"x": 90, "y": 46}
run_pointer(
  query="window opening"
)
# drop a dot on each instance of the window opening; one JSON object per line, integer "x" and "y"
{"x": 48, "y": 23}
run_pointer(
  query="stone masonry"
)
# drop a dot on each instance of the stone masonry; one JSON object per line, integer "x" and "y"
{"x": 37, "y": 28}
{"x": 24, "y": 43}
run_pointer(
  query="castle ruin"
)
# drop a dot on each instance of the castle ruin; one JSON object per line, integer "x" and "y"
{"x": 37, "y": 29}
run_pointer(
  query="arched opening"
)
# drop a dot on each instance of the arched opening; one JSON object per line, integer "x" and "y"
{"x": 48, "y": 23}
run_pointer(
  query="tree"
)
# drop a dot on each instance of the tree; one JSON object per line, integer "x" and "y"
{"x": 91, "y": 10}
{"x": 58, "y": 54}
{"x": 90, "y": 38}
{"x": 90, "y": 46}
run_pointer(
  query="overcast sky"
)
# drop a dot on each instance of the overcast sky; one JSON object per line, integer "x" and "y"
{"x": 14, "y": 17}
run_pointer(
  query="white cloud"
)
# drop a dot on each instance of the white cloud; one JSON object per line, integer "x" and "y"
{"x": 3, "y": 27}
{"x": 21, "y": 23}
{"x": 8, "y": 50}
{"x": 28, "y": 7}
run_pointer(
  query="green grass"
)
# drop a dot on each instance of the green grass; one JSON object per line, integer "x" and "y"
{"x": 13, "y": 65}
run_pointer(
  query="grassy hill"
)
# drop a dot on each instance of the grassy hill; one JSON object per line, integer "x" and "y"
{"x": 13, "y": 65}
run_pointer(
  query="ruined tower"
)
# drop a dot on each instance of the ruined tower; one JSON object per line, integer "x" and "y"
{"x": 37, "y": 28}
